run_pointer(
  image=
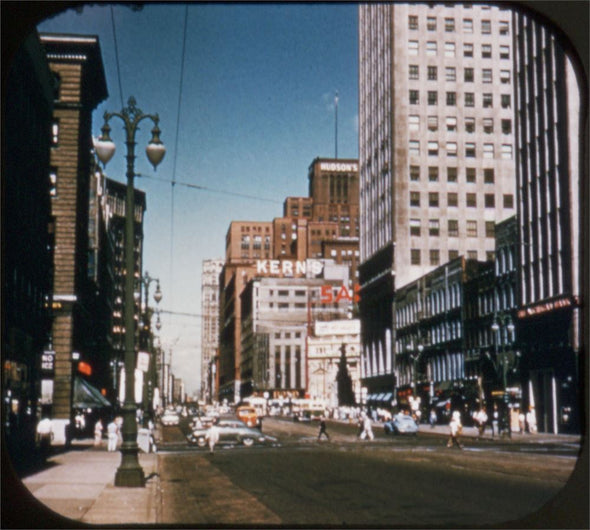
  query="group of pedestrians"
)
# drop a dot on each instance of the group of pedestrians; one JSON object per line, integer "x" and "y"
{"x": 365, "y": 428}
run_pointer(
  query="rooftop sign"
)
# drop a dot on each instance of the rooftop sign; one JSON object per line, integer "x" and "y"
{"x": 339, "y": 166}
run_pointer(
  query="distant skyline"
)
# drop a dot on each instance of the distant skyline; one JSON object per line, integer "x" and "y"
{"x": 256, "y": 107}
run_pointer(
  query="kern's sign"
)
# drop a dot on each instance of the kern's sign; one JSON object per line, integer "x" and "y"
{"x": 276, "y": 267}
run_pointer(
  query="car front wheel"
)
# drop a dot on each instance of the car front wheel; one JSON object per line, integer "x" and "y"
{"x": 201, "y": 442}
{"x": 248, "y": 441}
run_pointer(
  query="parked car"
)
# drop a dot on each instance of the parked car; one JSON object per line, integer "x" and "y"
{"x": 230, "y": 432}
{"x": 170, "y": 418}
{"x": 401, "y": 424}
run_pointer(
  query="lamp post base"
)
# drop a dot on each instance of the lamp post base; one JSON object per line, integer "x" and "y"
{"x": 130, "y": 477}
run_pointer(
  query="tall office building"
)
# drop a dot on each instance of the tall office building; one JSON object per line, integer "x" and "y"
{"x": 549, "y": 122}
{"x": 436, "y": 151}
{"x": 210, "y": 319}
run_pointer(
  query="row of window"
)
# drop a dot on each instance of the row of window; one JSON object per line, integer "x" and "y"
{"x": 489, "y": 174}
{"x": 487, "y": 99}
{"x": 453, "y": 200}
{"x": 450, "y": 25}
{"x": 435, "y": 256}
{"x": 452, "y": 228}
{"x": 488, "y": 149}
{"x": 451, "y": 124}
{"x": 450, "y": 49}
{"x": 432, "y": 74}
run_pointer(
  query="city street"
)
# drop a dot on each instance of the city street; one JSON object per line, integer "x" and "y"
{"x": 397, "y": 481}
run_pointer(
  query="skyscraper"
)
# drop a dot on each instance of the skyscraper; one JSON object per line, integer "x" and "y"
{"x": 436, "y": 151}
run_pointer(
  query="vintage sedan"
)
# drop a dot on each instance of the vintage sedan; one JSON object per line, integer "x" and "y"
{"x": 401, "y": 424}
{"x": 170, "y": 418}
{"x": 230, "y": 432}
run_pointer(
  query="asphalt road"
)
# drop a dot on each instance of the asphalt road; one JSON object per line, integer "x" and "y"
{"x": 391, "y": 481}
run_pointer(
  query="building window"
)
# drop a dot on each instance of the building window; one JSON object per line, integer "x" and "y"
{"x": 414, "y": 173}
{"x": 434, "y": 256}
{"x": 507, "y": 151}
{"x": 432, "y": 73}
{"x": 505, "y": 100}
{"x": 488, "y": 125}
{"x": 431, "y": 48}
{"x": 414, "y": 97}
{"x": 467, "y": 25}
{"x": 490, "y": 200}
{"x": 471, "y": 200}
{"x": 414, "y": 148}
{"x": 451, "y": 73}
{"x": 433, "y": 148}
{"x": 413, "y": 47}
{"x": 507, "y": 126}
{"x": 451, "y": 123}
{"x": 449, "y": 49}
{"x": 468, "y": 49}
{"x": 488, "y": 150}
{"x": 504, "y": 76}
{"x": 486, "y": 27}
{"x": 508, "y": 200}
{"x": 449, "y": 25}
{"x": 490, "y": 229}
{"x": 504, "y": 27}
{"x": 432, "y": 97}
{"x": 453, "y": 254}
{"x": 488, "y": 175}
{"x": 433, "y": 227}
{"x": 412, "y": 22}
{"x": 415, "y": 198}
{"x": 472, "y": 254}
{"x": 504, "y": 52}
{"x": 414, "y": 122}
{"x": 53, "y": 182}
{"x": 487, "y": 100}
{"x": 451, "y": 174}
{"x": 433, "y": 123}
{"x": 490, "y": 255}
{"x": 469, "y": 99}
{"x": 471, "y": 228}
{"x": 451, "y": 148}
{"x": 433, "y": 174}
{"x": 470, "y": 125}
{"x": 431, "y": 23}
{"x": 486, "y": 51}
{"x": 468, "y": 75}
{"x": 452, "y": 199}
{"x": 451, "y": 99}
{"x": 486, "y": 75}
{"x": 433, "y": 199}
{"x": 414, "y": 227}
{"x": 414, "y": 72}
{"x": 470, "y": 150}
{"x": 470, "y": 174}
{"x": 415, "y": 256}
{"x": 453, "y": 228}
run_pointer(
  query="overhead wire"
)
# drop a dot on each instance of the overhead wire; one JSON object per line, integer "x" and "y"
{"x": 117, "y": 56}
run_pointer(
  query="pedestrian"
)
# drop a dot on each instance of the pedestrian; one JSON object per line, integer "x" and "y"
{"x": 432, "y": 418}
{"x": 98, "y": 433}
{"x": 531, "y": 420}
{"x": 323, "y": 429}
{"x": 521, "y": 421}
{"x": 367, "y": 429}
{"x": 495, "y": 421}
{"x": 481, "y": 418}
{"x": 45, "y": 436}
{"x": 113, "y": 436}
{"x": 212, "y": 436}
{"x": 456, "y": 428}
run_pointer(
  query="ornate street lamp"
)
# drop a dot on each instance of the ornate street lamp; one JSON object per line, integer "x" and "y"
{"x": 496, "y": 328}
{"x": 130, "y": 473}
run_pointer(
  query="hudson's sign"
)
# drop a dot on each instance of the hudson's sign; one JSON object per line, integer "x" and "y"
{"x": 339, "y": 166}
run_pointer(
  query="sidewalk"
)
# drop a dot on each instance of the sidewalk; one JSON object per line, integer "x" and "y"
{"x": 79, "y": 485}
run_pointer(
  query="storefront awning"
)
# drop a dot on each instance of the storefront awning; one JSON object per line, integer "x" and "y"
{"x": 88, "y": 397}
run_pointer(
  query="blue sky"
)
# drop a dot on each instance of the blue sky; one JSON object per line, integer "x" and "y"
{"x": 256, "y": 107}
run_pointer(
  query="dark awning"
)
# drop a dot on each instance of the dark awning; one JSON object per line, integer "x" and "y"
{"x": 88, "y": 397}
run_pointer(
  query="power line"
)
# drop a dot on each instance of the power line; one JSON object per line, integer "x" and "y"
{"x": 179, "y": 313}
{"x": 117, "y": 55}
{"x": 210, "y": 190}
